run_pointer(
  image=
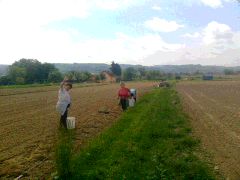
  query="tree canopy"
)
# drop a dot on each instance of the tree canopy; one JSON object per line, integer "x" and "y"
{"x": 116, "y": 69}
{"x": 28, "y": 71}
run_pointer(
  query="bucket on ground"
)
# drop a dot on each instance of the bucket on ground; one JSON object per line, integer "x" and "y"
{"x": 71, "y": 122}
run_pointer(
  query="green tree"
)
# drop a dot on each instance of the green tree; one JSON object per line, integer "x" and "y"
{"x": 228, "y": 71}
{"x": 30, "y": 71}
{"x": 79, "y": 76}
{"x": 129, "y": 74}
{"x": 32, "y": 68}
{"x": 55, "y": 76}
{"x": 46, "y": 69}
{"x": 142, "y": 72}
{"x": 153, "y": 75}
{"x": 116, "y": 69}
{"x": 5, "y": 80}
{"x": 17, "y": 72}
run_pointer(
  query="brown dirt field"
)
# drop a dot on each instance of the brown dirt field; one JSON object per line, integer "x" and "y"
{"x": 29, "y": 124}
{"x": 214, "y": 108}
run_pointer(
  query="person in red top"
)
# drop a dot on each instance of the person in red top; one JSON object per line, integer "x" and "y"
{"x": 123, "y": 95}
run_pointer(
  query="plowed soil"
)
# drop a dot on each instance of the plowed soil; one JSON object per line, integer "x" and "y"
{"x": 29, "y": 124}
{"x": 214, "y": 108}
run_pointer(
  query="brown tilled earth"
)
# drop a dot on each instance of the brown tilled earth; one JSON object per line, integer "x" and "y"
{"x": 214, "y": 108}
{"x": 29, "y": 124}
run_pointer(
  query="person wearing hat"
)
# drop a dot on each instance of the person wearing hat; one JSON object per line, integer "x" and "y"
{"x": 64, "y": 101}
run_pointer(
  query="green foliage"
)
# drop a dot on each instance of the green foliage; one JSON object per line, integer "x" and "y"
{"x": 55, "y": 76}
{"x": 150, "y": 141}
{"x": 16, "y": 72}
{"x": 79, "y": 76}
{"x": 129, "y": 74}
{"x": 228, "y": 71}
{"x": 116, "y": 69}
{"x": 29, "y": 71}
{"x": 154, "y": 75}
{"x": 5, "y": 80}
{"x": 20, "y": 81}
{"x": 63, "y": 154}
{"x": 142, "y": 71}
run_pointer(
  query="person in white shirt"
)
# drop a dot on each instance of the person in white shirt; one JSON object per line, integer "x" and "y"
{"x": 134, "y": 94}
{"x": 64, "y": 101}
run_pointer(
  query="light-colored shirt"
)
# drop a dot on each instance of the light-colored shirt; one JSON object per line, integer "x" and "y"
{"x": 64, "y": 100}
{"x": 134, "y": 92}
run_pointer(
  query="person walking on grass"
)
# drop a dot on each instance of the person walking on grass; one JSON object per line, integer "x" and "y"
{"x": 64, "y": 101}
{"x": 123, "y": 95}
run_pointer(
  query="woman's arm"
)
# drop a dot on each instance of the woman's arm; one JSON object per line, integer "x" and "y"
{"x": 63, "y": 82}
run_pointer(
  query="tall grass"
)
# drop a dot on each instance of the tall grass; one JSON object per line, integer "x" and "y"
{"x": 150, "y": 141}
{"x": 63, "y": 154}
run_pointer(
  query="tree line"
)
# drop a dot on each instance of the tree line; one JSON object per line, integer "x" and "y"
{"x": 30, "y": 71}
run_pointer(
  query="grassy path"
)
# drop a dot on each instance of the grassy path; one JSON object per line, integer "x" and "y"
{"x": 150, "y": 141}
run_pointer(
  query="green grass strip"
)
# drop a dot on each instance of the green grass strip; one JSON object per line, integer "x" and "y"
{"x": 150, "y": 141}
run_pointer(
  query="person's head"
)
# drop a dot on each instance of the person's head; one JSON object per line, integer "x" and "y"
{"x": 67, "y": 86}
{"x": 122, "y": 84}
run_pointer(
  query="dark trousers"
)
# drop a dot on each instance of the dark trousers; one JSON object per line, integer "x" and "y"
{"x": 124, "y": 104}
{"x": 63, "y": 119}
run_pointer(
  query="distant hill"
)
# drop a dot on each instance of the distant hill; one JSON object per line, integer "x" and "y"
{"x": 3, "y": 69}
{"x": 191, "y": 68}
{"x": 90, "y": 67}
{"x": 99, "y": 67}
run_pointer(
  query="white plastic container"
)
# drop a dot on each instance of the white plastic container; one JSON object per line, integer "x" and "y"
{"x": 71, "y": 122}
{"x": 131, "y": 102}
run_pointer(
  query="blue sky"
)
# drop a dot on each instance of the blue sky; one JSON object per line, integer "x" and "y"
{"x": 146, "y": 32}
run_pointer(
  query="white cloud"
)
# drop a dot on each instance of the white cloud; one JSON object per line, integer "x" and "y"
{"x": 212, "y": 3}
{"x": 31, "y": 13}
{"x": 215, "y": 44}
{"x": 58, "y": 46}
{"x": 216, "y": 3}
{"x": 193, "y": 36}
{"x": 162, "y": 25}
{"x": 217, "y": 33}
{"x": 23, "y": 32}
{"x": 116, "y": 4}
{"x": 157, "y": 8}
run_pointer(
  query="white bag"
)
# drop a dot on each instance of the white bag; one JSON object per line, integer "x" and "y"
{"x": 131, "y": 102}
{"x": 71, "y": 122}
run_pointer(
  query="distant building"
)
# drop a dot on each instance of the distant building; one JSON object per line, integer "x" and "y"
{"x": 109, "y": 77}
{"x": 207, "y": 77}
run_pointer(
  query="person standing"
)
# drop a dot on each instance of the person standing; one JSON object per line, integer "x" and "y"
{"x": 64, "y": 101}
{"x": 123, "y": 95}
{"x": 134, "y": 94}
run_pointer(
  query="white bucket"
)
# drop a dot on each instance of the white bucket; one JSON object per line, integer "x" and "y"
{"x": 71, "y": 122}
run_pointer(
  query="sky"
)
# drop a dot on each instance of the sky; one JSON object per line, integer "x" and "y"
{"x": 146, "y": 32}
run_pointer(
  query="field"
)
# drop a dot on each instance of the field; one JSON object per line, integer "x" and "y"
{"x": 151, "y": 141}
{"x": 29, "y": 124}
{"x": 214, "y": 108}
